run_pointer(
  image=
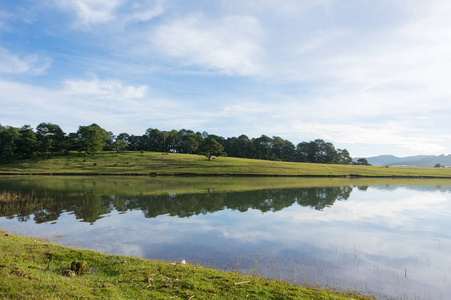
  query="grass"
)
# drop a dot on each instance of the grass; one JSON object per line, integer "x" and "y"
{"x": 136, "y": 163}
{"x": 33, "y": 269}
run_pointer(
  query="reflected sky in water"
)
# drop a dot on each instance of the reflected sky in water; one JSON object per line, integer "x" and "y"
{"x": 390, "y": 241}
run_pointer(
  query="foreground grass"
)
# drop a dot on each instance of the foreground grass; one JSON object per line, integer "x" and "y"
{"x": 136, "y": 163}
{"x": 33, "y": 269}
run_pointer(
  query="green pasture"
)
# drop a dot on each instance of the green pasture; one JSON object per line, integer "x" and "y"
{"x": 146, "y": 163}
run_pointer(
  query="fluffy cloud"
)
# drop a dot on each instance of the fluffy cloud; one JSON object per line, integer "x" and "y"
{"x": 101, "y": 89}
{"x": 228, "y": 45}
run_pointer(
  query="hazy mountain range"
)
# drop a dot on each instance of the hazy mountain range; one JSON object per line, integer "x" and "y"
{"x": 410, "y": 161}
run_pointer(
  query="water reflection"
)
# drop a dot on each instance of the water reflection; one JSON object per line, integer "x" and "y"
{"x": 391, "y": 239}
{"x": 91, "y": 205}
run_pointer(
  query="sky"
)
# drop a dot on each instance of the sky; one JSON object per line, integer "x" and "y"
{"x": 373, "y": 77}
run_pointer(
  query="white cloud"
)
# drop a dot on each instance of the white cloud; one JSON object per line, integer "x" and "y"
{"x": 386, "y": 134}
{"x": 22, "y": 64}
{"x": 229, "y": 45}
{"x": 101, "y": 89}
{"x": 117, "y": 12}
{"x": 91, "y": 12}
{"x": 111, "y": 103}
{"x": 142, "y": 11}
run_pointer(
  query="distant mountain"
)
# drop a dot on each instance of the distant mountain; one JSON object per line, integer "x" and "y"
{"x": 410, "y": 161}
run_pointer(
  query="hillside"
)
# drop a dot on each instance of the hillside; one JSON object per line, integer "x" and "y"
{"x": 156, "y": 163}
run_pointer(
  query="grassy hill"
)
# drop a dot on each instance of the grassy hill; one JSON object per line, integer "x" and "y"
{"x": 136, "y": 163}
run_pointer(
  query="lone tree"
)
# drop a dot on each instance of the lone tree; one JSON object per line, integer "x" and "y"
{"x": 362, "y": 162}
{"x": 210, "y": 147}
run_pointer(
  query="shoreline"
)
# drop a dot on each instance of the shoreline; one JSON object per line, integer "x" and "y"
{"x": 153, "y": 174}
{"x": 41, "y": 269}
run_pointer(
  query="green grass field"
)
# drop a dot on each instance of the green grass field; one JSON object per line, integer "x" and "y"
{"x": 136, "y": 163}
{"x": 35, "y": 269}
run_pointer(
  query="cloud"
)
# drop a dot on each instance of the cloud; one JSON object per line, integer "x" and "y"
{"x": 387, "y": 134}
{"x": 91, "y": 13}
{"x": 104, "y": 89}
{"x": 142, "y": 11}
{"x": 111, "y": 103}
{"x": 287, "y": 8}
{"x": 4, "y": 18}
{"x": 229, "y": 45}
{"x": 22, "y": 64}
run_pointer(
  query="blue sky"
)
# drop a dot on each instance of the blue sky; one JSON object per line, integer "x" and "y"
{"x": 369, "y": 76}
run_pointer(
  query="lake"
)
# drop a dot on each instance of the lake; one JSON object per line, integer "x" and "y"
{"x": 387, "y": 237}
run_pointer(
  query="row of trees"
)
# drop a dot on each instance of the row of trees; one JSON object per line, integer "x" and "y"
{"x": 49, "y": 139}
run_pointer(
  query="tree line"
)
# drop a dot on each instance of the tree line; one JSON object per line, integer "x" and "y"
{"x": 49, "y": 139}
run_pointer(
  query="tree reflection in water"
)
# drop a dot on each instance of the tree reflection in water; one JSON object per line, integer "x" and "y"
{"x": 90, "y": 205}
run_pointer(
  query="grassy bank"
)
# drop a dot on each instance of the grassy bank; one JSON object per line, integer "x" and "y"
{"x": 36, "y": 269}
{"x": 136, "y": 163}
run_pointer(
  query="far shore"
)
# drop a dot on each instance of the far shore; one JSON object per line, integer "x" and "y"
{"x": 170, "y": 164}
{"x": 220, "y": 175}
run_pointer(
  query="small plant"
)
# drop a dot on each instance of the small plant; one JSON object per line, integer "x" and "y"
{"x": 79, "y": 267}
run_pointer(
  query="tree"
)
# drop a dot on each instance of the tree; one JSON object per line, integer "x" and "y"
{"x": 188, "y": 141}
{"x": 282, "y": 149}
{"x": 438, "y": 166}
{"x": 91, "y": 139}
{"x": 302, "y": 151}
{"x": 343, "y": 157}
{"x": 109, "y": 142}
{"x": 27, "y": 142}
{"x": 189, "y": 144}
{"x": 119, "y": 145}
{"x": 153, "y": 140}
{"x": 8, "y": 143}
{"x": 123, "y": 137}
{"x": 262, "y": 147}
{"x": 51, "y": 138}
{"x": 362, "y": 162}
{"x": 134, "y": 143}
{"x": 173, "y": 141}
{"x": 210, "y": 147}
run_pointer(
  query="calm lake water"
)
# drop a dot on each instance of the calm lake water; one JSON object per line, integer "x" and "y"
{"x": 391, "y": 238}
